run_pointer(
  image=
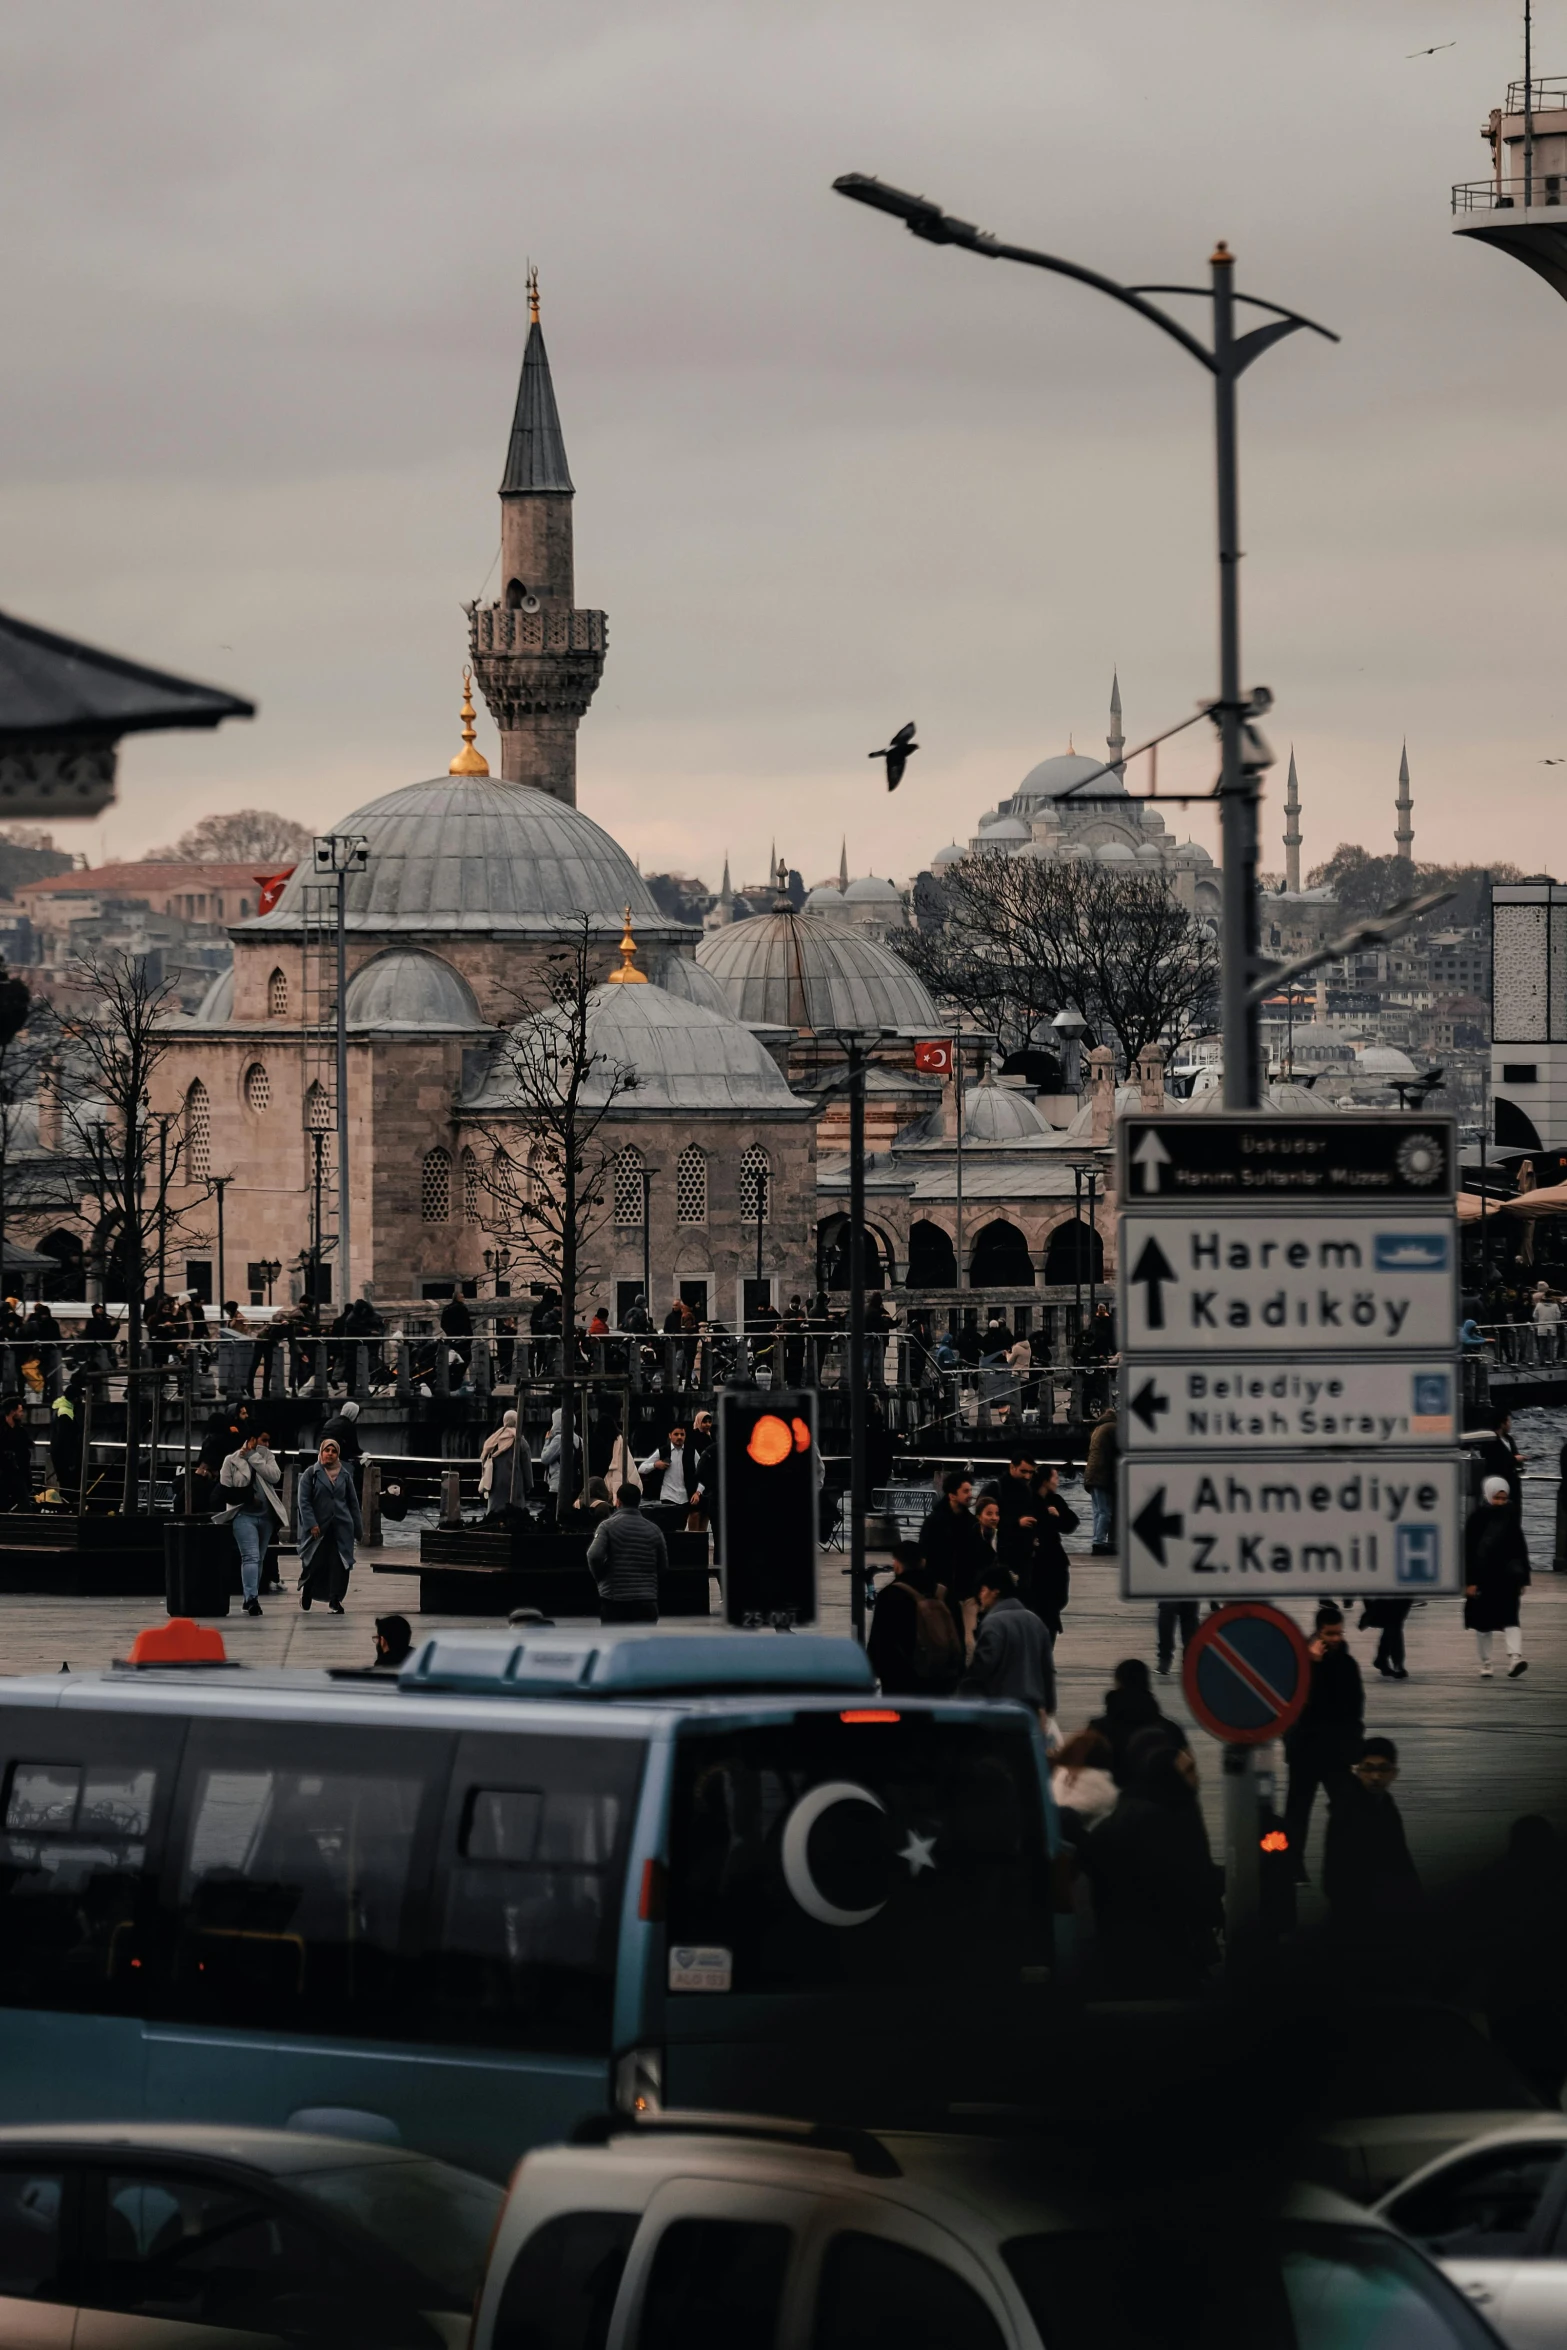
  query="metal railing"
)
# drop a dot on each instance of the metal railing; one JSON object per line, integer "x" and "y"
{"x": 1547, "y": 93}
{"x": 1519, "y": 1345}
{"x": 1507, "y": 195}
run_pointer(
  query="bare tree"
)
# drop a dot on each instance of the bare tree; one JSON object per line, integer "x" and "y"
{"x": 1023, "y": 938}
{"x": 250, "y": 836}
{"x": 119, "y": 1176}
{"x": 550, "y": 1092}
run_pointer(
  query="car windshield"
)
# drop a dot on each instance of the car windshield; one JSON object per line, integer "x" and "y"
{"x": 1290, "y": 2288}
{"x": 437, "y": 2219}
{"x": 877, "y": 1849}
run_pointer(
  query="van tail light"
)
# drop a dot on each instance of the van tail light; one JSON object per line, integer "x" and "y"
{"x": 650, "y": 1902}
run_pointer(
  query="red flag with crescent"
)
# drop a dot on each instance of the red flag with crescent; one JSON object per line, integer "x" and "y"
{"x": 271, "y": 888}
{"x": 933, "y": 1056}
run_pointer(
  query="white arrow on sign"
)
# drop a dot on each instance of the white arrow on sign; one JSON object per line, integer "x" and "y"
{"x": 1149, "y": 1156}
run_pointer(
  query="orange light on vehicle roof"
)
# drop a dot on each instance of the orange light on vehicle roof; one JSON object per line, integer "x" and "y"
{"x": 871, "y": 1714}
{"x": 181, "y": 1641}
{"x": 770, "y": 1441}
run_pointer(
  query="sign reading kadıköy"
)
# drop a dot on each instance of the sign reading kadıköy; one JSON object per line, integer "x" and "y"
{"x": 1238, "y": 1156}
{"x": 1287, "y": 1282}
{"x": 1251, "y": 1527}
{"x": 1331, "y": 1404}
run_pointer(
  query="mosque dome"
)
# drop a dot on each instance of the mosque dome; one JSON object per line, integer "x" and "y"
{"x": 679, "y": 976}
{"x": 1052, "y": 777}
{"x": 1149, "y": 853}
{"x": 467, "y": 853}
{"x": 1000, "y": 1113}
{"x": 871, "y": 891}
{"x": 826, "y": 898}
{"x": 1192, "y": 852}
{"x": 1384, "y": 1060}
{"x": 217, "y": 1005}
{"x": 797, "y": 971}
{"x": 1114, "y": 852}
{"x": 405, "y": 988}
{"x": 950, "y": 855}
{"x": 1005, "y": 828}
{"x": 686, "y": 1058}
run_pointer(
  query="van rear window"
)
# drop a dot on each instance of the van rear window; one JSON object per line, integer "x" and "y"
{"x": 821, "y": 1854}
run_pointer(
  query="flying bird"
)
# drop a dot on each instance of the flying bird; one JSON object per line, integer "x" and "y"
{"x": 897, "y": 754}
{"x": 1551, "y": 762}
{"x": 1431, "y": 52}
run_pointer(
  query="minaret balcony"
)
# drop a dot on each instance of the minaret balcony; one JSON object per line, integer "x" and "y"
{"x": 504, "y": 628}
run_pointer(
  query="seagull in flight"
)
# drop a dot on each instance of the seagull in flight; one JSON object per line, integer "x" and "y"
{"x": 897, "y": 754}
{"x": 1551, "y": 762}
{"x": 1431, "y": 52}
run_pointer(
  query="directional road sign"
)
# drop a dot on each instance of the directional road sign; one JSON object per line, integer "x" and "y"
{"x": 1239, "y": 1157}
{"x": 1243, "y": 1405}
{"x": 1247, "y": 1674}
{"x": 1369, "y": 1522}
{"x": 1286, "y": 1282}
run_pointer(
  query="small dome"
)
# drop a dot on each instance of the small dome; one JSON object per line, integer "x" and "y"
{"x": 217, "y": 1005}
{"x": 873, "y": 892}
{"x": 950, "y": 855}
{"x": 686, "y": 1058}
{"x": 1149, "y": 853}
{"x": 1385, "y": 1060}
{"x": 1052, "y": 777}
{"x": 1300, "y": 1101}
{"x": 801, "y": 972}
{"x": 1113, "y": 852}
{"x": 826, "y": 898}
{"x": 406, "y": 988}
{"x": 679, "y": 976}
{"x": 1000, "y": 1113}
{"x": 1006, "y": 828}
{"x": 1192, "y": 852}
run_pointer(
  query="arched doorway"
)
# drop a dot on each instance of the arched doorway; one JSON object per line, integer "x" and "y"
{"x": 66, "y": 1250}
{"x": 933, "y": 1261}
{"x": 1073, "y": 1253}
{"x": 1001, "y": 1259}
{"x": 832, "y": 1256}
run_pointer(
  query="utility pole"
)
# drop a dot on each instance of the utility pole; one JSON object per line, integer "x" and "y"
{"x": 341, "y": 853}
{"x": 857, "y": 1497}
{"x": 647, "y": 1238}
{"x": 220, "y": 1184}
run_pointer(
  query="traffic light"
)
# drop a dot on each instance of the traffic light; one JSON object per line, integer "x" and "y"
{"x": 767, "y": 1480}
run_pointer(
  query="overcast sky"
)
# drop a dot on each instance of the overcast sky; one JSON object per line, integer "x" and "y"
{"x": 264, "y": 303}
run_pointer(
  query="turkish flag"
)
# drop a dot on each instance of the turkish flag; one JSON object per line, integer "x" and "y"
{"x": 271, "y": 888}
{"x": 933, "y": 1055}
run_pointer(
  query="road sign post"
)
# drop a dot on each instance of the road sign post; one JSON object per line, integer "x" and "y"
{"x": 1246, "y": 1673}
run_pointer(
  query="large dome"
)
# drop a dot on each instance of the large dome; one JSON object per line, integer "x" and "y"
{"x": 685, "y": 1057}
{"x": 798, "y": 971}
{"x": 466, "y": 853}
{"x": 1052, "y": 777}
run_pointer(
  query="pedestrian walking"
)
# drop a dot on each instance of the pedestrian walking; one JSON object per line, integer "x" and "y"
{"x": 1387, "y": 1616}
{"x": 1083, "y": 1784}
{"x": 1498, "y": 1456}
{"x": 1368, "y": 1877}
{"x": 1155, "y": 1887}
{"x": 1322, "y": 1748}
{"x": 1011, "y": 1649}
{"x": 505, "y": 1469}
{"x": 251, "y": 1483}
{"x": 550, "y": 1459}
{"x": 1046, "y": 1579}
{"x": 627, "y": 1556}
{"x": 1130, "y": 1707}
{"x": 1099, "y": 1476}
{"x": 16, "y": 1456}
{"x": 1547, "y": 1324}
{"x": 65, "y": 1437}
{"x": 1496, "y": 1574}
{"x": 954, "y": 1549}
{"x": 329, "y": 1526}
{"x": 913, "y": 1643}
{"x": 1172, "y": 1616}
{"x": 1014, "y": 1494}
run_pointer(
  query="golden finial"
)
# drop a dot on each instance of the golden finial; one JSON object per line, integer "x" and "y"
{"x": 628, "y": 948}
{"x": 1221, "y": 257}
{"x": 533, "y": 295}
{"x": 468, "y": 761}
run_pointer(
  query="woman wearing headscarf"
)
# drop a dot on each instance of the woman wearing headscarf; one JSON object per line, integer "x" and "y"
{"x": 329, "y": 1526}
{"x": 505, "y": 1468}
{"x": 1496, "y": 1569}
{"x": 1156, "y": 1889}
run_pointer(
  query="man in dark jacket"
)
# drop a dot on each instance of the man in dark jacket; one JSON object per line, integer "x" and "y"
{"x": 1011, "y": 1648}
{"x": 16, "y": 1456}
{"x": 1368, "y": 1876}
{"x": 1047, "y": 1584}
{"x": 1131, "y": 1707}
{"x": 954, "y": 1549}
{"x": 1326, "y": 1741}
{"x": 627, "y": 1556}
{"x": 1019, "y": 1511}
{"x": 344, "y": 1434}
{"x": 908, "y": 1659}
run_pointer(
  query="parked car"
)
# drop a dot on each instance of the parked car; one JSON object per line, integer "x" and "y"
{"x": 144, "y": 2238}
{"x": 1397, "y": 2086}
{"x": 698, "y": 2232}
{"x": 1493, "y": 2215}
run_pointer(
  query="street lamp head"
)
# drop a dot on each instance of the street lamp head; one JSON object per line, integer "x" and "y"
{"x": 1069, "y": 1025}
{"x": 917, "y": 213}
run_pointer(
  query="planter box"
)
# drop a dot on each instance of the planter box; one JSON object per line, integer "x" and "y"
{"x": 494, "y": 1573}
{"x": 200, "y": 1566}
{"x": 82, "y": 1558}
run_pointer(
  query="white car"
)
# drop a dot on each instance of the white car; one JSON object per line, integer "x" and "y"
{"x": 1493, "y": 2215}
{"x": 707, "y": 2232}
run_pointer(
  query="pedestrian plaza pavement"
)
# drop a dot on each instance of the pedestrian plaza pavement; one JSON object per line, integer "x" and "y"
{"x": 1473, "y": 1754}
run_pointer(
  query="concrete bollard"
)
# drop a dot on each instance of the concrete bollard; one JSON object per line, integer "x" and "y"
{"x": 451, "y": 1497}
{"x": 370, "y": 1502}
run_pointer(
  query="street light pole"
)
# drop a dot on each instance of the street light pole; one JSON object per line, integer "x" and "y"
{"x": 343, "y": 1257}
{"x": 1243, "y": 755}
{"x": 857, "y": 1498}
{"x": 220, "y": 1184}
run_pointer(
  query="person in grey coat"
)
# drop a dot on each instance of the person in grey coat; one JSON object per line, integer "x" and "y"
{"x": 329, "y": 1526}
{"x": 626, "y": 1557}
{"x": 1011, "y": 1648}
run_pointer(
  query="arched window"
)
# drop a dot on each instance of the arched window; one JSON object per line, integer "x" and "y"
{"x": 277, "y": 996}
{"x": 1001, "y": 1259}
{"x": 198, "y": 1132}
{"x": 318, "y": 1110}
{"x": 435, "y": 1187}
{"x": 470, "y": 1188}
{"x": 756, "y": 1186}
{"x": 933, "y": 1262}
{"x": 1073, "y": 1253}
{"x": 628, "y": 1170}
{"x": 691, "y": 1187}
{"x": 258, "y": 1087}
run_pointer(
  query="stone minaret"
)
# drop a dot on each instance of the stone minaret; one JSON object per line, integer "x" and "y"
{"x": 537, "y": 658}
{"x": 1404, "y": 834}
{"x": 1115, "y": 740}
{"x": 1292, "y": 828}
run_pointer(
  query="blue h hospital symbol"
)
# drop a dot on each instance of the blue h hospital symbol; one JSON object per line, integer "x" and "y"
{"x": 1417, "y": 1554}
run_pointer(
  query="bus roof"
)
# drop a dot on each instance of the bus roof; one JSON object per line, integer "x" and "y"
{"x": 637, "y": 1664}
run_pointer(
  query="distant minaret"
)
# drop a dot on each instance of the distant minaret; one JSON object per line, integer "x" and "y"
{"x": 1292, "y": 829}
{"x": 1404, "y": 835}
{"x": 1115, "y": 740}
{"x": 537, "y": 659}
{"x": 843, "y": 863}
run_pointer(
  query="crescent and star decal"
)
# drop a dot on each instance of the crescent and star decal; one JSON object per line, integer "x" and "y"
{"x": 918, "y": 1852}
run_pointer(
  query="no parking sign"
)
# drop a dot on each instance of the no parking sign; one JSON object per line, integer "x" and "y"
{"x": 1247, "y": 1673}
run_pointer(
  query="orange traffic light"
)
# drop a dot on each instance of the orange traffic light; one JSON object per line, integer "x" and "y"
{"x": 802, "y": 1436}
{"x": 770, "y": 1441}
{"x": 1275, "y": 1841}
